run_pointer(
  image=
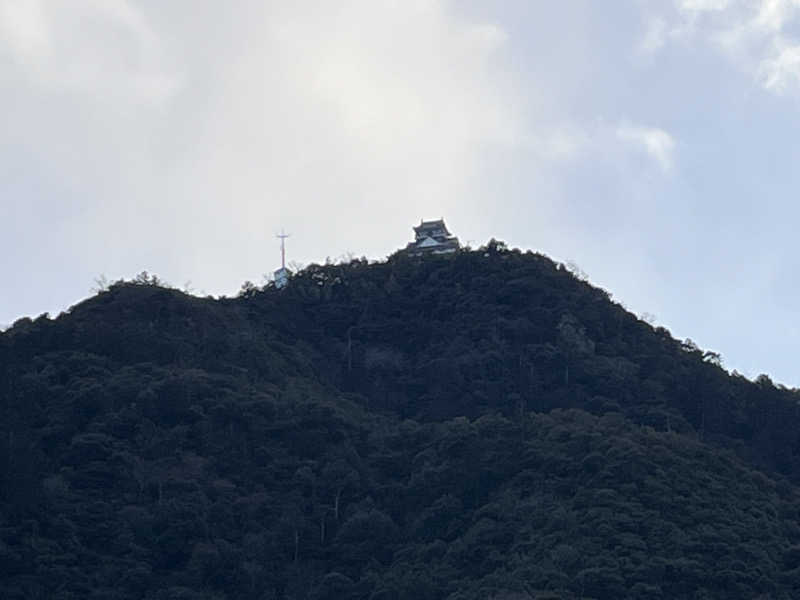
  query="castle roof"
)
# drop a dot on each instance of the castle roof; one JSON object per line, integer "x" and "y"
{"x": 429, "y": 225}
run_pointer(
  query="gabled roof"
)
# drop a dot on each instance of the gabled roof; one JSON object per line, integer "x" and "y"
{"x": 438, "y": 224}
{"x": 428, "y": 241}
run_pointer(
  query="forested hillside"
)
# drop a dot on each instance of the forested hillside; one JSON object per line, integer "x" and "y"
{"x": 477, "y": 426}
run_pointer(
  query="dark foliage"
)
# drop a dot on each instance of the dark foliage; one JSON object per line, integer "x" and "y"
{"x": 478, "y": 426}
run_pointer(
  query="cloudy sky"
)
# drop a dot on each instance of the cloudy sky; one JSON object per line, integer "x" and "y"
{"x": 652, "y": 143}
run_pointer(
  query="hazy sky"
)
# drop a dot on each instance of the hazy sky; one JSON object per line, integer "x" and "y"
{"x": 652, "y": 143}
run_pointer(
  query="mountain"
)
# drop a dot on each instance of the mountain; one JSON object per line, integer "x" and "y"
{"x": 483, "y": 425}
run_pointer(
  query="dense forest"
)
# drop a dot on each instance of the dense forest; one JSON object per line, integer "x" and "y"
{"x": 484, "y": 425}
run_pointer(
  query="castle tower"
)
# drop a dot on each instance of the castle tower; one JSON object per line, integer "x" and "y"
{"x": 432, "y": 237}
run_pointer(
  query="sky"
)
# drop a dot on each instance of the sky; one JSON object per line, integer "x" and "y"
{"x": 652, "y": 144}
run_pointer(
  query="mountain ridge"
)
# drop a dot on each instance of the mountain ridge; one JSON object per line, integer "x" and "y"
{"x": 471, "y": 426}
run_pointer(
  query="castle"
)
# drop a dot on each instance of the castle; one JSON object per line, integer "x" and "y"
{"x": 432, "y": 237}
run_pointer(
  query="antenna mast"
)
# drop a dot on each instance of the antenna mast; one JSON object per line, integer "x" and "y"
{"x": 283, "y": 237}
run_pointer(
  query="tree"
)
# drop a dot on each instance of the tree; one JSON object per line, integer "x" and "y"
{"x": 337, "y": 477}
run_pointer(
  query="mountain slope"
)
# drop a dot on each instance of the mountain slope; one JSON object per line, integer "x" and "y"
{"x": 477, "y": 426}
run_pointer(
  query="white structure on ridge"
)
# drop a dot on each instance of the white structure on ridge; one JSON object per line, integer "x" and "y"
{"x": 281, "y": 276}
{"x": 432, "y": 237}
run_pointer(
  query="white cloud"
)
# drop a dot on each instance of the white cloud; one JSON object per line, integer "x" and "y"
{"x": 782, "y": 71}
{"x": 386, "y": 104}
{"x": 654, "y": 141}
{"x": 655, "y": 36}
{"x": 562, "y": 143}
{"x": 774, "y": 14}
{"x": 757, "y": 36}
{"x": 103, "y": 48}
{"x": 22, "y": 25}
{"x": 695, "y": 6}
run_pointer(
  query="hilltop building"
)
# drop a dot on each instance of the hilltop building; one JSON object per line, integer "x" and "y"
{"x": 281, "y": 277}
{"x": 432, "y": 237}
